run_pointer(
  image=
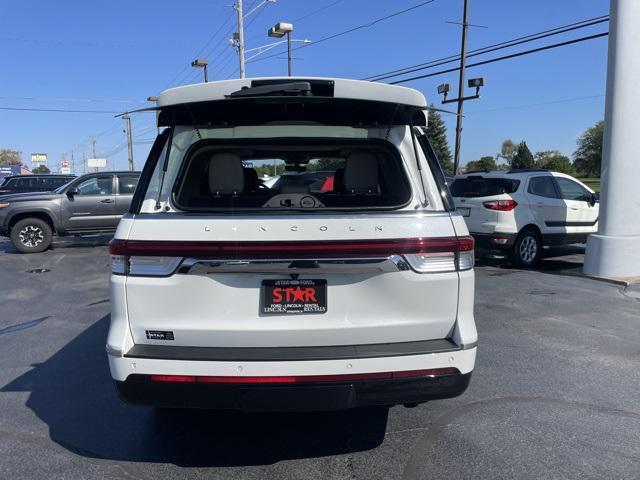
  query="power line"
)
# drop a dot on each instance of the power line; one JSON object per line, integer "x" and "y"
{"x": 211, "y": 38}
{"x": 59, "y": 110}
{"x": 540, "y": 104}
{"x": 69, "y": 99}
{"x": 491, "y": 48}
{"x": 350, "y": 30}
{"x": 321, "y": 9}
{"x": 505, "y": 57}
{"x": 303, "y": 17}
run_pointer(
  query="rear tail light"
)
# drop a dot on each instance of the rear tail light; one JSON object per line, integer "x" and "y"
{"x": 144, "y": 266}
{"x": 288, "y": 379}
{"x": 425, "y": 255}
{"x": 457, "y": 257}
{"x": 501, "y": 205}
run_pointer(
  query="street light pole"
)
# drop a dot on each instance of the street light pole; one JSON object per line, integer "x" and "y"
{"x": 463, "y": 62}
{"x": 279, "y": 30}
{"x": 289, "y": 52}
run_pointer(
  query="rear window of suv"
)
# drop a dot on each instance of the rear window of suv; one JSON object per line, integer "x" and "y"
{"x": 477, "y": 186}
{"x": 285, "y": 174}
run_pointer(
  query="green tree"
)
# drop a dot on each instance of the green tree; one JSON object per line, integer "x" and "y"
{"x": 10, "y": 157}
{"x": 554, "y": 160}
{"x": 437, "y": 135}
{"x": 41, "y": 169}
{"x": 588, "y": 156}
{"x": 523, "y": 157}
{"x": 327, "y": 164}
{"x": 485, "y": 163}
{"x": 508, "y": 150}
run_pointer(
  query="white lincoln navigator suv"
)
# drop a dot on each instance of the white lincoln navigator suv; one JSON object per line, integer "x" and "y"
{"x": 291, "y": 245}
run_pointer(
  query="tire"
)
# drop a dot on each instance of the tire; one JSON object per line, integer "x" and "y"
{"x": 31, "y": 235}
{"x": 527, "y": 249}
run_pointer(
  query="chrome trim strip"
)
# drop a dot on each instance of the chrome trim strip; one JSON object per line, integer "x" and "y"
{"x": 196, "y": 266}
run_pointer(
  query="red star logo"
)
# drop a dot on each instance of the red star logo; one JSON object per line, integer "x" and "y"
{"x": 298, "y": 295}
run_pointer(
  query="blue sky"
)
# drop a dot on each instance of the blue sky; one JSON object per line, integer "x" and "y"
{"x": 112, "y": 55}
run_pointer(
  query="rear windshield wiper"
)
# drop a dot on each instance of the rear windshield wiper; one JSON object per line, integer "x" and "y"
{"x": 285, "y": 89}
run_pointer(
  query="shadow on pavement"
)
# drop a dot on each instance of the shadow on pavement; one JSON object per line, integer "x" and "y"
{"x": 73, "y": 394}
{"x": 557, "y": 260}
{"x": 62, "y": 243}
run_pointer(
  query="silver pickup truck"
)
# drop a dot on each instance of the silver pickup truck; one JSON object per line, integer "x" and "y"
{"x": 92, "y": 203}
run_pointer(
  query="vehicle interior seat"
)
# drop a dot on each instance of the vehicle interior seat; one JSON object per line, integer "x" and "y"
{"x": 226, "y": 174}
{"x": 361, "y": 175}
{"x": 251, "y": 182}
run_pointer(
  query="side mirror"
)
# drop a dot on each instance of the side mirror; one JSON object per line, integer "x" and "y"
{"x": 71, "y": 192}
{"x": 593, "y": 199}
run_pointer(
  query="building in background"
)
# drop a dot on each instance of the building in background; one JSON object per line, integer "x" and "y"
{"x": 38, "y": 159}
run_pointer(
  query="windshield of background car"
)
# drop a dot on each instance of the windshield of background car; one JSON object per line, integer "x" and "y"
{"x": 476, "y": 186}
{"x": 61, "y": 188}
{"x": 4, "y": 182}
{"x": 344, "y": 171}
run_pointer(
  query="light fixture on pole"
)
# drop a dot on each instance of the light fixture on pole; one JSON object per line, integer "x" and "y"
{"x": 443, "y": 89}
{"x": 201, "y": 63}
{"x": 279, "y": 30}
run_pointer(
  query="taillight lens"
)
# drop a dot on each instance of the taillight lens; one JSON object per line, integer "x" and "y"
{"x": 119, "y": 264}
{"x": 501, "y": 205}
{"x": 153, "y": 266}
{"x": 459, "y": 256}
{"x": 425, "y": 255}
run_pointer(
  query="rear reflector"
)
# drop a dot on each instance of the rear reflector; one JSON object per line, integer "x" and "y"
{"x": 326, "y": 249}
{"x": 355, "y": 377}
{"x": 173, "y": 378}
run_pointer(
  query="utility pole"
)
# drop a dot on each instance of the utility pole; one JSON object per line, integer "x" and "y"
{"x": 476, "y": 83}
{"x": 240, "y": 38}
{"x": 463, "y": 65}
{"x": 93, "y": 147}
{"x": 73, "y": 163}
{"x": 84, "y": 160}
{"x": 127, "y": 120}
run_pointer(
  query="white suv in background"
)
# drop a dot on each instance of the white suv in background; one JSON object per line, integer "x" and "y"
{"x": 516, "y": 213}
{"x": 347, "y": 282}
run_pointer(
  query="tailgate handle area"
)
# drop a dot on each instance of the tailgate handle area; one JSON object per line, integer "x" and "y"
{"x": 195, "y": 266}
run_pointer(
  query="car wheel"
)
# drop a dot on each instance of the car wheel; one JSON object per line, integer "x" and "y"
{"x": 527, "y": 249}
{"x": 31, "y": 235}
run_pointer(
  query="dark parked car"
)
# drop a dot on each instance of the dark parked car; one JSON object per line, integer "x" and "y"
{"x": 33, "y": 183}
{"x": 92, "y": 203}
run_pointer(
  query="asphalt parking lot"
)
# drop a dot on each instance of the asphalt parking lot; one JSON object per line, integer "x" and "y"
{"x": 554, "y": 394}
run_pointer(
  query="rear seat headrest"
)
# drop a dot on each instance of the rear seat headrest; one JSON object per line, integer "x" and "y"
{"x": 226, "y": 175}
{"x": 361, "y": 173}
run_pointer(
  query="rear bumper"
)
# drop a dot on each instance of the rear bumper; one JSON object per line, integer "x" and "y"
{"x": 132, "y": 376}
{"x": 139, "y": 390}
{"x": 494, "y": 244}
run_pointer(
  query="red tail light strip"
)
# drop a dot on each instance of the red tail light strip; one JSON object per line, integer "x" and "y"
{"x": 356, "y": 377}
{"x": 501, "y": 205}
{"x": 327, "y": 249}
